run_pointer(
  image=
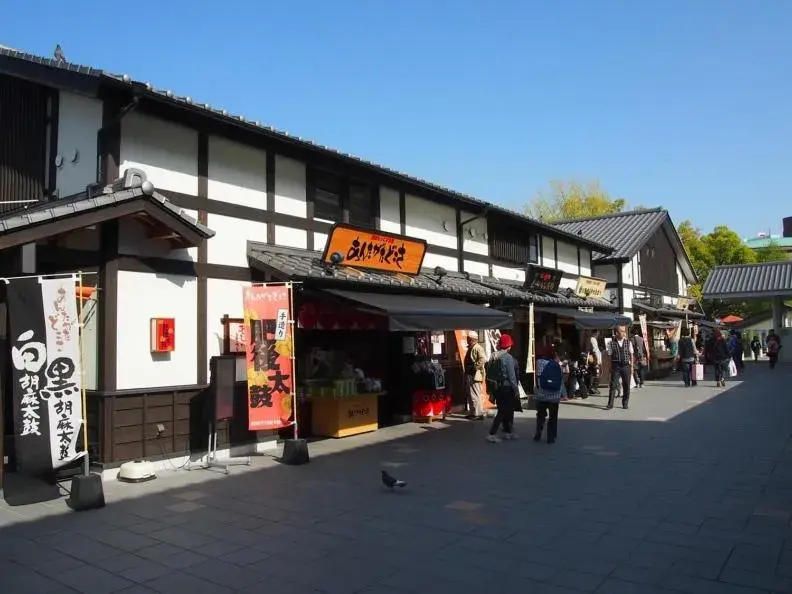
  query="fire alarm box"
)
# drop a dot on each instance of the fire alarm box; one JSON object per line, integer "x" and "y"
{"x": 163, "y": 335}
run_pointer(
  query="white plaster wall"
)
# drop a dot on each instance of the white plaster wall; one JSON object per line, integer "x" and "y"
{"x": 425, "y": 221}
{"x": 290, "y": 195}
{"x": 223, "y": 297}
{"x": 476, "y": 267}
{"x": 229, "y": 245}
{"x": 390, "y": 218}
{"x": 89, "y": 340}
{"x": 635, "y": 265}
{"x": 142, "y": 296}
{"x": 627, "y": 273}
{"x": 167, "y": 152}
{"x": 512, "y": 274}
{"x": 568, "y": 283}
{"x": 237, "y": 173}
{"x": 567, "y": 257}
{"x": 682, "y": 285}
{"x": 433, "y": 260}
{"x": 132, "y": 241}
{"x": 289, "y": 237}
{"x": 607, "y": 272}
{"x": 628, "y": 297}
{"x": 585, "y": 262}
{"x": 548, "y": 252}
{"x": 79, "y": 121}
{"x": 320, "y": 240}
{"x": 477, "y": 244}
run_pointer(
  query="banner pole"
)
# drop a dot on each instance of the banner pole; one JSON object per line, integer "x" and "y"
{"x": 293, "y": 356}
{"x": 83, "y": 395}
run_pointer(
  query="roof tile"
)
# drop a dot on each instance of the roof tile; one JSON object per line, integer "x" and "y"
{"x": 768, "y": 279}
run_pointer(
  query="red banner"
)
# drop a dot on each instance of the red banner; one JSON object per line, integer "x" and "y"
{"x": 268, "y": 350}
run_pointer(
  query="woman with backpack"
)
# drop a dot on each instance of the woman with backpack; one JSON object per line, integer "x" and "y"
{"x": 548, "y": 392}
{"x": 503, "y": 375}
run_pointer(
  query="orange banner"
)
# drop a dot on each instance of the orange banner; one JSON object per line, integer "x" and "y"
{"x": 268, "y": 349}
{"x": 378, "y": 250}
{"x": 462, "y": 346}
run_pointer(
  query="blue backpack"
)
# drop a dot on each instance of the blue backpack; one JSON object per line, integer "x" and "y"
{"x": 551, "y": 378}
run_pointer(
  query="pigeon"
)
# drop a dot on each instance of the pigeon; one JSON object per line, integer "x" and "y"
{"x": 391, "y": 482}
{"x": 59, "y": 54}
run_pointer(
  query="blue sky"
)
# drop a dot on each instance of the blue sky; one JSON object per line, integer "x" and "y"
{"x": 675, "y": 103}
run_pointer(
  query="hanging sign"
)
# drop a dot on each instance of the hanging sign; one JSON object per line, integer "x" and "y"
{"x": 268, "y": 350}
{"x": 44, "y": 336}
{"x": 588, "y": 286}
{"x": 684, "y": 303}
{"x": 374, "y": 250}
{"x": 542, "y": 280}
{"x": 645, "y": 333}
{"x": 530, "y": 364}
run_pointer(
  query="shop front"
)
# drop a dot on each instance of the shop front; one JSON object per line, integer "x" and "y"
{"x": 375, "y": 336}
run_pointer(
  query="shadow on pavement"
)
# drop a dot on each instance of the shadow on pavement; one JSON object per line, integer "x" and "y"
{"x": 701, "y": 500}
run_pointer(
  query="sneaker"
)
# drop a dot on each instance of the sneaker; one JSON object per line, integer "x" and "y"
{"x": 493, "y": 439}
{"x": 538, "y": 437}
{"x": 510, "y": 436}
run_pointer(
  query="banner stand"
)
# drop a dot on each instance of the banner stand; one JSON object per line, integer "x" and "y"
{"x": 212, "y": 461}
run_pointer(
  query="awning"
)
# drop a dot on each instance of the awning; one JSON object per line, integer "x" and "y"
{"x": 410, "y": 313}
{"x": 588, "y": 320}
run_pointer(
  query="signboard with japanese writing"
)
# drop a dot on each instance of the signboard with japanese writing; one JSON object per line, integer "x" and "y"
{"x": 542, "y": 280}
{"x": 588, "y": 286}
{"x": 44, "y": 336}
{"x": 374, "y": 250}
{"x": 268, "y": 349}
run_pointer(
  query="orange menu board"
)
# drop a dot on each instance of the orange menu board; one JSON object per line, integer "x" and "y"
{"x": 462, "y": 346}
{"x": 268, "y": 351}
{"x": 374, "y": 250}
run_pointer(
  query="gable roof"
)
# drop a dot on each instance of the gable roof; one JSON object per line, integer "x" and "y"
{"x": 626, "y": 231}
{"x": 749, "y": 281}
{"x": 86, "y": 79}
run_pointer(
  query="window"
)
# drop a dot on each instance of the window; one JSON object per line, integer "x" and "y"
{"x": 327, "y": 197}
{"x": 514, "y": 246}
{"x": 533, "y": 249}
{"x": 361, "y": 206}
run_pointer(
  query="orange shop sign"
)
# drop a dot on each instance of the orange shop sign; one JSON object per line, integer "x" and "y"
{"x": 268, "y": 350}
{"x": 374, "y": 250}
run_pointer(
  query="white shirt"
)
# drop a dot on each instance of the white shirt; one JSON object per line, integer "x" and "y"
{"x": 626, "y": 343}
{"x": 596, "y": 350}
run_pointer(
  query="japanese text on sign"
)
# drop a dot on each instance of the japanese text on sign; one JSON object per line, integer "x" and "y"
{"x": 29, "y": 360}
{"x": 375, "y": 251}
{"x": 281, "y": 324}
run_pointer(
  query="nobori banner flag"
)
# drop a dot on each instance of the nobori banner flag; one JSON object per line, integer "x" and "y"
{"x": 44, "y": 336}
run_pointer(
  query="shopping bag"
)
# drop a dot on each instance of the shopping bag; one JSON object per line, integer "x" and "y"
{"x": 698, "y": 372}
{"x": 732, "y": 369}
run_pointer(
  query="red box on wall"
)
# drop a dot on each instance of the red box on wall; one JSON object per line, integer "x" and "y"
{"x": 430, "y": 403}
{"x": 163, "y": 335}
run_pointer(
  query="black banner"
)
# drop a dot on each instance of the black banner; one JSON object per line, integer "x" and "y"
{"x": 27, "y": 336}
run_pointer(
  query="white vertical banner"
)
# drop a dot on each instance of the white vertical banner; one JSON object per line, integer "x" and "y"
{"x": 530, "y": 363}
{"x": 645, "y": 333}
{"x": 63, "y": 391}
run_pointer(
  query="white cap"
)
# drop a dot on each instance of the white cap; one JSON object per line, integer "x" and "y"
{"x": 473, "y": 334}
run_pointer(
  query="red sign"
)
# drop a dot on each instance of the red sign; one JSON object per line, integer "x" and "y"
{"x": 268, "y": 350}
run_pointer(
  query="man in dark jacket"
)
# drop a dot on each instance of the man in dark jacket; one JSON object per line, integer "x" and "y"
{"x": 641, "y": 358}
{"x": 507, "y": 393}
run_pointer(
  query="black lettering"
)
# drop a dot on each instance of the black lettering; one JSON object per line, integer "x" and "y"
{"x": 260, "y": 397}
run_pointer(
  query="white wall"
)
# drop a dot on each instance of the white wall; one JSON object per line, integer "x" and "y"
{"x": 512, "y": 274}
{"x": 473, "y": 239}
{"x": 224, "y": 297}
{"x": 134, "y": 242}
{"x": 567, "y": 257}
{"x": 476, "y": 267}
{"x": 142, "y": 296}
{"x": 167, "y": 152}
{"x": 79, "y": 121}
{"x": 548, "y": 252}
{"x": 585, "y": 262}
{"x": 390, "y": 217}
{"x": 635, "y": 265}
{"x": 682, "y": 285}
{"x": 89, "y": 342}
{"x": 237, "y": 173}
{"x": 229, "y": 245}
{"x": 628, "y": 276}
{"x": 290, "y": 199}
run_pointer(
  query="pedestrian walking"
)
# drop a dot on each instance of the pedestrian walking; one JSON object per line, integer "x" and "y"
{"x": 547, "y": 396}
{"x": 688, "y": 358}
{"x": 641, "y": 358}
{"x": 756, "y": 347}
{"x": 503, "y": 373}
{"x": 773, "y": 348}
{"x": 594, "y": 363}
{"x": 475, "y": 359}
{"x": 720, "y": 358}
{"x": 620, "y": 351}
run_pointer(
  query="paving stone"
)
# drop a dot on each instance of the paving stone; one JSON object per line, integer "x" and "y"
{"x": 93, "y": 580}
{"x": 178, "y": 582}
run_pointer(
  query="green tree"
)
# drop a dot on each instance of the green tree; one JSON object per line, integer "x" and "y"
{"x": 573, "y": 200}
{"x": 772, "y": 252}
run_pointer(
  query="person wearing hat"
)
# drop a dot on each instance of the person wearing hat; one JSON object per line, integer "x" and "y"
{"x": 503, "y": 375}
{"x": 475, "y": 360}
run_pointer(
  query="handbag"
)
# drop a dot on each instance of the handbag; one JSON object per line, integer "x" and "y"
{"x": 698, "y": 372}
{"x": 732, "y": 369}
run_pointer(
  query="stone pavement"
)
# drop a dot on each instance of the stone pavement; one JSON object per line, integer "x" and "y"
{"x": 689, "y": 491}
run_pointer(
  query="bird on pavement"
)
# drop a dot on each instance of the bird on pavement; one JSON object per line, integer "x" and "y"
{"x": 59, "y": 54}
{"x": 391, "y": 482}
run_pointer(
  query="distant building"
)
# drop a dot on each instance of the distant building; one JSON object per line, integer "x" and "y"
{"x": 763, "y": 240}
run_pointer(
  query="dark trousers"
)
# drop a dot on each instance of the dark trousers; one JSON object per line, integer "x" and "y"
{"x": 504, "y": 400}
{"x": 773, "y": 359}
{"x": 721, "y": 369}
{"x": 619, "y": 372}
{"x": 687, "y": 373}
{"x": 542, "y": 410}
{"x": 640, "y": 373}
{"x": 593, "y": 378}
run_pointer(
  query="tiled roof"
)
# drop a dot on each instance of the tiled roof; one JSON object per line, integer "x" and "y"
{"x": 305, "y": 265}
{"x": 625, "y": 231}
{"x": 204, "y": 109}
{"x": 749, "y": 280}
{"x": 302, "y": 264}
{"x": 665, "y": 310}
{"x": 44, "y": 212}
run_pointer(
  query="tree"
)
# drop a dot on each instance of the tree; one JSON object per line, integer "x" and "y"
{"x": 573, "y": 200}
{"x": 772, "y": 252}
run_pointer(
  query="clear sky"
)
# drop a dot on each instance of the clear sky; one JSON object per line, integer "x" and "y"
{"x": 675, "y": 103}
